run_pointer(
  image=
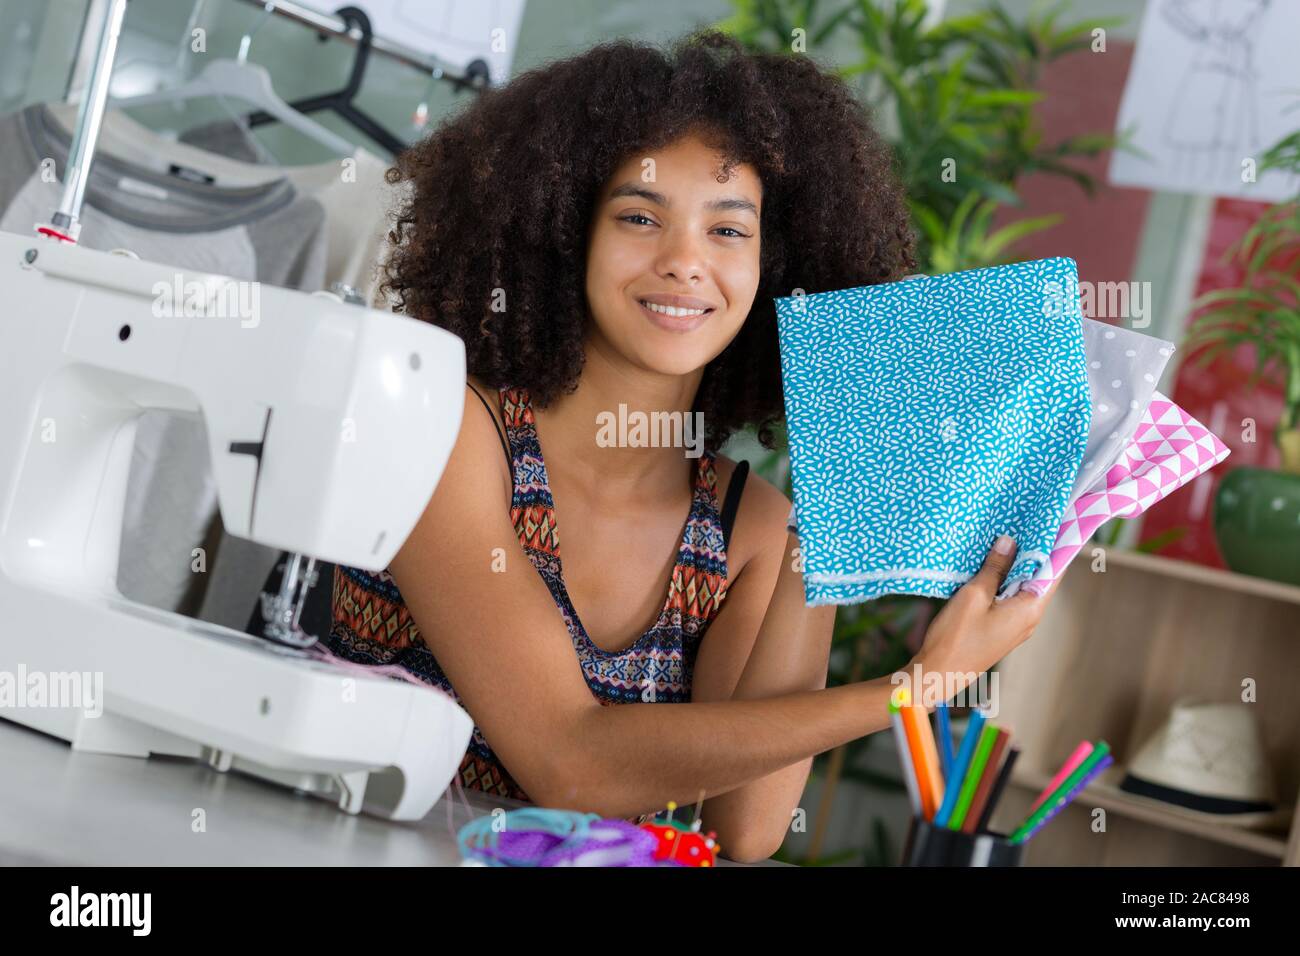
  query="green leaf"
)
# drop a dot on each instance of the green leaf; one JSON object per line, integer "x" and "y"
{"x": 1157, "y": 543}
{"x": 1010, "y": 234}
{"x": 1004, "y": 98}
{"x": 832, "y": 24}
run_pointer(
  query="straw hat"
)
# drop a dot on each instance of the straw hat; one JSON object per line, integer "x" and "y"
{"x": 1207, "y": 761}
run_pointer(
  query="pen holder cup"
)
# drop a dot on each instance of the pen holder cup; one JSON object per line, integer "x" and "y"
{"x": 930, "y": 845}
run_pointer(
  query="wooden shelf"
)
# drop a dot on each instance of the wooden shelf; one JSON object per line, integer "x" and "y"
{"x": 1109, "y": 797}
{"x": 1200, "y": 574}
{"x": 1112, "y": 655}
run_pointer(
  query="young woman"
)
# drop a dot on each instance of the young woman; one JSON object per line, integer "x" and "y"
{"x": 610, "y": 231}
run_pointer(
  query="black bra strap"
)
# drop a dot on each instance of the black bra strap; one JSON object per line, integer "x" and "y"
{"x": 510, "y": 463}
{"x": 733, "y": 499}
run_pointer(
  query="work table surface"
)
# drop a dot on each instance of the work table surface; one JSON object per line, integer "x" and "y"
{"x": 59, "y": 806}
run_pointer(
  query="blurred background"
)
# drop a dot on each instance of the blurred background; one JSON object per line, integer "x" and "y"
{"x": 1157, "y": 143}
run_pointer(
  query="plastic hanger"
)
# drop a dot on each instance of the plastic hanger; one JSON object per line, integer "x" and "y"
{"x": 341, "y": 100}
{"x": 248, "y": 82}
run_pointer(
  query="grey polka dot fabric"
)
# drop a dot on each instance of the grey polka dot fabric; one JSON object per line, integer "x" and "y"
{"x": 1123, "y": 369}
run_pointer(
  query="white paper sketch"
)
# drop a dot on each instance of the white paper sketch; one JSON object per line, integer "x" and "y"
{"x": 1213, "y": 84}
{"x": 457, "y": 31}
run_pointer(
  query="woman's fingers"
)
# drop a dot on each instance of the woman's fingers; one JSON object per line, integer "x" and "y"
{"x": 974, "y": 630}
{"x": 986, "y": 582}
{"x": 1022, "y": 612}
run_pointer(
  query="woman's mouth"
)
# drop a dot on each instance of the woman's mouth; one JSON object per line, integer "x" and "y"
{"x": 674, "y": 318}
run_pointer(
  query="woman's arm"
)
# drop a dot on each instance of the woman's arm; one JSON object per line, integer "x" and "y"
{"x": 503, "y": 644}
{"x": 719, "y": 746}
{"x": 790, "y": 654}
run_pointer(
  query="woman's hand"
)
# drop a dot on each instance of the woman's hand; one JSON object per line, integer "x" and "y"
{"x": 973, "y": 631}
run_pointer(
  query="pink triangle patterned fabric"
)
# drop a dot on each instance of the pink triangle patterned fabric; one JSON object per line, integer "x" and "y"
{"x": 1168, "y": 449}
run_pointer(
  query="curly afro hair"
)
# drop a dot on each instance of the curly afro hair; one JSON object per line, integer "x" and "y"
{"x": 500, "y": 196}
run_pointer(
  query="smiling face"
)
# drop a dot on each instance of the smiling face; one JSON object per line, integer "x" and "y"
{"x": 673, "y": 257}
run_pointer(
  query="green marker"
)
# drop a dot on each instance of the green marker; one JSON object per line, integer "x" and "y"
{"x": 1099, "y": 752}
{"x": 988, "y": 736}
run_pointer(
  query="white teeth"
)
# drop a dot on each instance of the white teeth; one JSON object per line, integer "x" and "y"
{"x": 669, "y": 310}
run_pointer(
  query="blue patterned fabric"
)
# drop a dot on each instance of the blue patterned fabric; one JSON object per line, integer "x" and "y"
{"x": 926, "y": 417}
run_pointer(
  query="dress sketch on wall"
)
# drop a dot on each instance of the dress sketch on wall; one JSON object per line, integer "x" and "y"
{"x": 1212, "y": 86}
{"x": 1214, "y": 122}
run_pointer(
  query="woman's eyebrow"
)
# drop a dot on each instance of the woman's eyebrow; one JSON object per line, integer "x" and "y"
{"x": 631, "y": 189}
{"x": 729, "y": 204}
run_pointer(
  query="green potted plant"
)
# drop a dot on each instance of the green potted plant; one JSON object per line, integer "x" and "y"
{"x": 1257, "y": 510}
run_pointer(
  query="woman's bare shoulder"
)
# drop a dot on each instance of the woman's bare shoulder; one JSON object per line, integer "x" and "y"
{"x": 483, "y": 435}
{"x": 761, "y": 519}
{"x": 487, "y": 391}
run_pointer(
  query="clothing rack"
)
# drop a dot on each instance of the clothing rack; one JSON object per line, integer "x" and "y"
{"x": 476, "y": 74}
{"x": 64, "y": 224}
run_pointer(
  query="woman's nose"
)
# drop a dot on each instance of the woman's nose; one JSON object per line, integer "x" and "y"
{"x": 682, "y": 257}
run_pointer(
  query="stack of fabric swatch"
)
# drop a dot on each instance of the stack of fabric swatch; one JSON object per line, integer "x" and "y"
{"x": 928, "y": 416}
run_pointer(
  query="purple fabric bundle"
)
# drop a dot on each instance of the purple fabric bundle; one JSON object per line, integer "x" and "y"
{"x": 599, "y": 843}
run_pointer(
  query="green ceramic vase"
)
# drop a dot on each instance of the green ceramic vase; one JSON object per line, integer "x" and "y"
{"x": 1257, "y": 523}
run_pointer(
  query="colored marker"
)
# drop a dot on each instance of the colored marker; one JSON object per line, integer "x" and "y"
{"x": 973, "y": 774}
{"x": 933, "y": 769}
{"x": 987, "y": 779}
{"x": 945, "y": 738}
{"x": 1092, "y": 775}
{"x": 999, "y": 786}
{"x": 964, "y": 755}
{"x": 905, "y": 759}
{"x": 1050, "y": 805}
{"x": 1071, "y": 764}
{"x": 912, "y": 726}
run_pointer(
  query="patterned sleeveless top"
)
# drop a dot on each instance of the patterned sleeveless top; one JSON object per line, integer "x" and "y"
{"x": 371, "y": 624}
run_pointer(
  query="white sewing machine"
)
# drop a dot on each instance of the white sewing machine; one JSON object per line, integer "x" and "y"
{"x": 328, "y": 427}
